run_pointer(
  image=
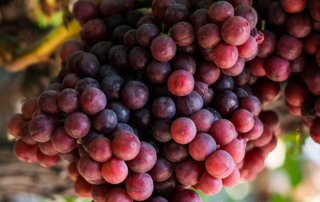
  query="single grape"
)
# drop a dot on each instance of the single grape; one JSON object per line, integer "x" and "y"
{"x": 223, "y": 131}
{"x": 25, "y": 152}
{"x": 158, "y": 72}
{"x": 48, "y": 102}
{"x": 68, "y": 100}
{"x": 175, "y": 152}
{"x": 187, "y": 105}
{"x": 219, "y": 164}
{"x": 125, "y": 146}
{"x": 139, "y": 57}
{"x": 105, "y": 121}
{"x": 235, "y": 31}
{"x": 163, "y": 48}
{"x": 202, "y": 146}
{"x": 135, "y": 94}
{"x": 118, "y": 195}
{"x": 208, "y": 184}
{"x": 180, "y": 83}
{"x": 242, "y": 120}
{"x": 208, "y": 35}
{"x": 145, "y": 160}
{"x": 183, "y": 33}
{"x": 184, "y": 62}
{"x": 188, "y": 172}
{"x": 77, "y": 125}
{"x": 139, "y": 186}
{"x": 47, "y": 161}
{"x": 114, "y": 171}
{"x": 225, "y": 55}
{"x": 41, "y": 127}
{"x": 15, "y": 124}
{"x": 207, "y": 72}
{"x": 175, "y": 13}
{"x": 161, "y": 130}
{"x": 183, "y": 130}
{"x": 186, "y": 195}
{"x": 82, "y": 188}
{"x": 220, "y": 11}
{"x": 232, "y": 179}
{"x": 101, "y": 50}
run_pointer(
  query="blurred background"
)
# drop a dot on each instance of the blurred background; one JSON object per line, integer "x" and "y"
{"x": 30, "y": 34}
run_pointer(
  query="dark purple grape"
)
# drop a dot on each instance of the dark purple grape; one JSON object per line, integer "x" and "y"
{"x": 163, "y": 108}
{"x": 198, "y": 18}
{"x": 85, "y": 83}
{"x": 48, "y": 102}
{"x": 207, "y": 72}
{"x": 122, "y": 112}
{"x": 224, "y": 82}
{"x": 118, "y": 56}
{"x": 175, "y": 152}
{"x": 158, "y": 72}
{"x": 105, "y": 121}
{"x": 118, "y": 33}
{"x": 141, "y": 117}
{"x": 69, "y": 81}
{"x": 69, "y": 47}
{"x": 161, "y": 130}
{"x": 135, "y": 94}
{"x": 85, "y": 10}
{"x": 188, "y": 172}
{"x": 146, "y": 33}
{"x": 106, "y": 70}
{"x": 93, "y": 31}
{"x": 69, "y": 100}
{"x": 163, "y": 48}
{"x": 187, "y": 105}
{"x": 111, "y": 85}
{"x": 176, "y": 13}
{"x": 115, "y": 20}
{"x": 162, "y": 170}
{"x": 87, "y": 65}
{"x": 101, "y": 50}
{"x": 184, "y": 62}
{"x": 139, "y": 57}
{"x": 129, "y": 38}
{"x": 226, "y": 102}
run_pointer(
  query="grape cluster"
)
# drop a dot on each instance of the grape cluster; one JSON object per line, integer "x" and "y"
{"x": 153, "y": 102}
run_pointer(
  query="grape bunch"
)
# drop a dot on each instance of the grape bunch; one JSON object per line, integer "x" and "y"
{"x": 153, "y": 104}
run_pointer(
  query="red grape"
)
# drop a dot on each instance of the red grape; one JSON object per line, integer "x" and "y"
{"x": 209, "y": 185}
{"x": 145, "y": 160}
{"x": 125, "y": 146}
{"x": 188, "y": 172}
{"x": 139, "y": 186}
{"x": 163, "y": 48}
{"x": 235, "y": 30}
{"x": 202, "y": 146}
{"x": 219, "y": 164}
{"x": 25, "y": 152}
{"x": 225, "y": 55}
{"x": 183, "y": 130}
{"x": 220, "y": 11}
{"x": 114, "y": 171}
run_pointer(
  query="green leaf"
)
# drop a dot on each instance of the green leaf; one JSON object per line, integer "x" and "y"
{"x": 293, "y": 161}
{"x": 280, "y": 198}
